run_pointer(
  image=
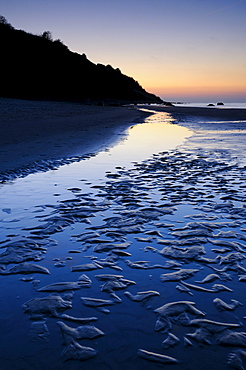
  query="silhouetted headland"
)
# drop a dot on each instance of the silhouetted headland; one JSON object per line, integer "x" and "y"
{"x": 36, "y": 67}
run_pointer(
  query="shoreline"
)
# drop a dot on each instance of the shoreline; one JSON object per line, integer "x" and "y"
{"x": 55, "y": 140}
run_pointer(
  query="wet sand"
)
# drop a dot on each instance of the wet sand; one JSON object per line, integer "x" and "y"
{"x": 40, "y": 131}
{"x": 150, "y": 242}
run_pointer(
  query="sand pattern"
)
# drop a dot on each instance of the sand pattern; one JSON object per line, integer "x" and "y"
{"x": 146, "y": 238}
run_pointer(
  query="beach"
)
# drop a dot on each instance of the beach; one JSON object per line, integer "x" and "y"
{"x": 36, "y": 132}
{"x": 123, "y": 259}
{"x": 33, "y": 131}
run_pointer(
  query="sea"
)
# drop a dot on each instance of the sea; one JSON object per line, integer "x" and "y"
{"x": 130, "y": 259}
{"x": 205, "y": 104}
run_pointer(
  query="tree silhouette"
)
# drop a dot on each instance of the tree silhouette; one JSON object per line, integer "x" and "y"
{"x": 47, "y": 35}
{"x": 4, "y": 22}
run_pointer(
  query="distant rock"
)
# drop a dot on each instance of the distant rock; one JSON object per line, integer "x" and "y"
{"x": 220, "y": 103}
{"x": 168, "y": 104}
{"x": 210, "y": 105}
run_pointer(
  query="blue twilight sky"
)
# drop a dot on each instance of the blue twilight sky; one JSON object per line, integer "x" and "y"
{"x": 189, "y": 50}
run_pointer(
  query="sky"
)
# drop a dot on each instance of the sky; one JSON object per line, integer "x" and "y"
{"x": 180, "y": 50}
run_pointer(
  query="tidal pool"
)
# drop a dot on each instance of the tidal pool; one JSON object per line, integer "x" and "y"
{"x": 129, "y": 259}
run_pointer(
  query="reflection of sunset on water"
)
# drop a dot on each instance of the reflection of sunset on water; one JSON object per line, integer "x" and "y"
{"x": 158, "y": 133}
{"x": 141, "y": 141}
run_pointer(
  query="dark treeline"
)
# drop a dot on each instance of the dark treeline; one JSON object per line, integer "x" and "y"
{"x": 36, "y": 67}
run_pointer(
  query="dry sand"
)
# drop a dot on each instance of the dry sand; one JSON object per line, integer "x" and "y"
{"x": 34, "y": 131}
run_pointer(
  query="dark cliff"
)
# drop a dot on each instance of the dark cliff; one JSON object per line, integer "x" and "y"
{"x": 36, "y": 67}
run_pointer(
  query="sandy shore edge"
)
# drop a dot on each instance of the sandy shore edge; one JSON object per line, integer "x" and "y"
{"x": 50, "y": 133}
{"x": 85, "y": 131}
